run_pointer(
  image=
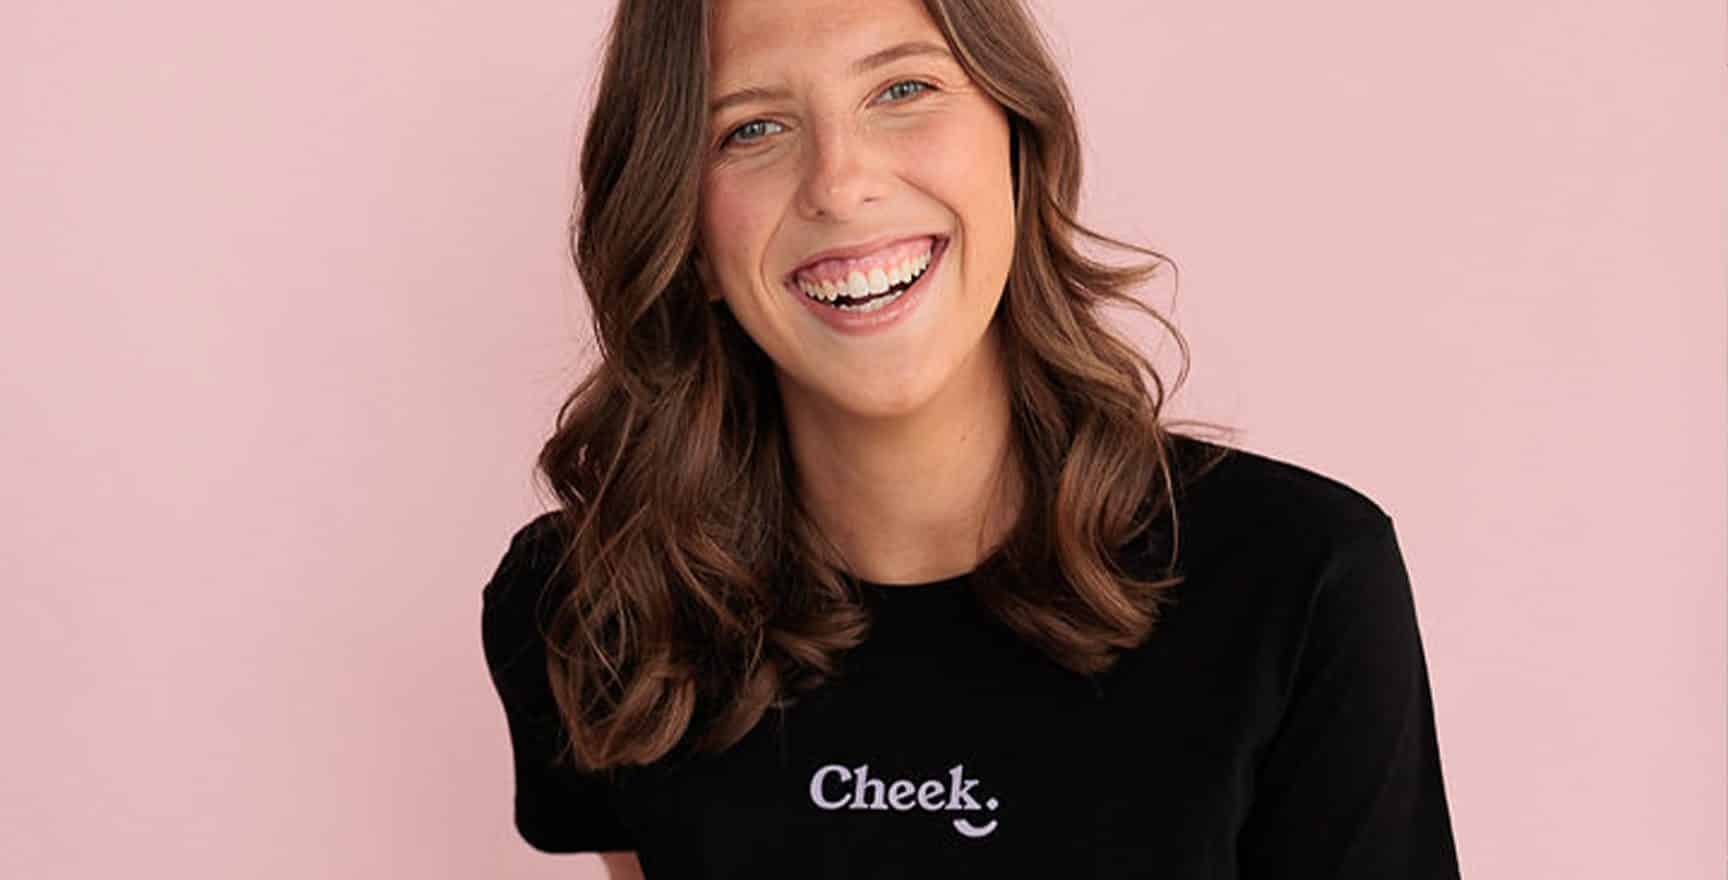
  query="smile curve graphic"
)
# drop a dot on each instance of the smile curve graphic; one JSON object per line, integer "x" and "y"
{"x": 970, "y": 830}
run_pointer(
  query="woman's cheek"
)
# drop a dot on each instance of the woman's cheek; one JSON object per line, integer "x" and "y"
{"x": 732, "y": 213}
{"x": 717, "y": 205}
{"x": 950, "y": 148}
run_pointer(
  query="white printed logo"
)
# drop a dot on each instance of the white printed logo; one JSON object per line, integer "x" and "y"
{"x": 837, "y": 787}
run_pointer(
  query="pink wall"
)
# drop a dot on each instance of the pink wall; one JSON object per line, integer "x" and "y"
{"x": 285, "y": 320}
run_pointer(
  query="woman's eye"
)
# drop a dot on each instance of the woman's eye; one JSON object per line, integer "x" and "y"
{"x": 899, "y": 89}
{"x": 757, "y": 129}
{"x": 742, "y": 134}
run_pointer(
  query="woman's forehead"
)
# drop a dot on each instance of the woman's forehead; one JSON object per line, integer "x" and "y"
{"x": 750, "y": 33}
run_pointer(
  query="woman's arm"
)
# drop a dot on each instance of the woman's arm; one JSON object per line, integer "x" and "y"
{"x": 622, "y": 866}
{"x": 1350, "y": 787}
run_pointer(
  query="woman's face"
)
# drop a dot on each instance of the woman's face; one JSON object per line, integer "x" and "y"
{"x": 846, "y": 149}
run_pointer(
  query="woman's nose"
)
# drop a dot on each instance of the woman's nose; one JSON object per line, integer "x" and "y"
{"x": 839, "y": 174}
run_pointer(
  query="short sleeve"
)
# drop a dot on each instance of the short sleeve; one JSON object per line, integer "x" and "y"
{"x": 558, "y": 808}
{"x": 1350, "y": 785}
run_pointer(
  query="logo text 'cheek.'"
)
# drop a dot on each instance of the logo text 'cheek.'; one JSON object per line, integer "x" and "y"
{"x": 838, "y": 787}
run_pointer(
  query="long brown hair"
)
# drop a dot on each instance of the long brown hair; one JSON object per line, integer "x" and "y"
{"x": 700, "y": 592}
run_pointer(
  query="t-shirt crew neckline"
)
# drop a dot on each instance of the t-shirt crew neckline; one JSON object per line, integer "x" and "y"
{"x": 925, "y": 589}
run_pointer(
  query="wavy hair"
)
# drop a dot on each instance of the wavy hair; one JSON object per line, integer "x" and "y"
{"x": 699, "y": 591}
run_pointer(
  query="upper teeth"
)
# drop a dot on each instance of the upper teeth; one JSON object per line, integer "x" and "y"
{"x": 865, "y": 282}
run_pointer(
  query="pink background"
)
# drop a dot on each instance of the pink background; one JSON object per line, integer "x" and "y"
{"x": 285, "y": 319}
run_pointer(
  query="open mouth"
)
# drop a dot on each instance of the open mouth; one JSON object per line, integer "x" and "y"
{"x": 866, "y": 288}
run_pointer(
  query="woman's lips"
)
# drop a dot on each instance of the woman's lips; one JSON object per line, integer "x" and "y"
{"x": 837, "y": 265}
{"x": 858, "y": 322}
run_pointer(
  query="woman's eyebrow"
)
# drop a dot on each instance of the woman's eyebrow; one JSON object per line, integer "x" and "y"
{"x": 863, "y": 65}
{"x": 895, "y": 53}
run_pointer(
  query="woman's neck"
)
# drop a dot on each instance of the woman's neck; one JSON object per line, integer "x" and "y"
{"x": 918, "y": 498}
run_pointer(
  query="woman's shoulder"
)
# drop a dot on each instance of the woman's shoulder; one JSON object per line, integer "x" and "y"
{"x": 528, "y": 564}
{"x": 1231, "y": 495}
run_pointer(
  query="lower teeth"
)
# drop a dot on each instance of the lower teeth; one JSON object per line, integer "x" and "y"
{"x": 871, "y": 305}
{"x": 874, "y": 302}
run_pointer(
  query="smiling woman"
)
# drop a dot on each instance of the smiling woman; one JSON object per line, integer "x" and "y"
{"x": 876, "y": 554}
{"x": 846, "y": 175}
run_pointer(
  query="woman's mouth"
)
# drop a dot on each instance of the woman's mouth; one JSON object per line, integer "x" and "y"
{"x": 871, "y": 294}
{"x": 866, "y": 284}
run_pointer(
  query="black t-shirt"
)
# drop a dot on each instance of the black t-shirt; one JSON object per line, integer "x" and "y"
{"x": 1278, "y": 723}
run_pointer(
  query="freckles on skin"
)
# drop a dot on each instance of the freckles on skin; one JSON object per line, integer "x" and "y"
{"x": 839, "y": 157}
{"x": 961, "y": 159}
{"x": 741, "y": 216}
{"x": 935, "y": 148}
{"x": 952, "y": 153}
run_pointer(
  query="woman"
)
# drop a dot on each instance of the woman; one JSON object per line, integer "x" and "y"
{"x": 874, "y": 555}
